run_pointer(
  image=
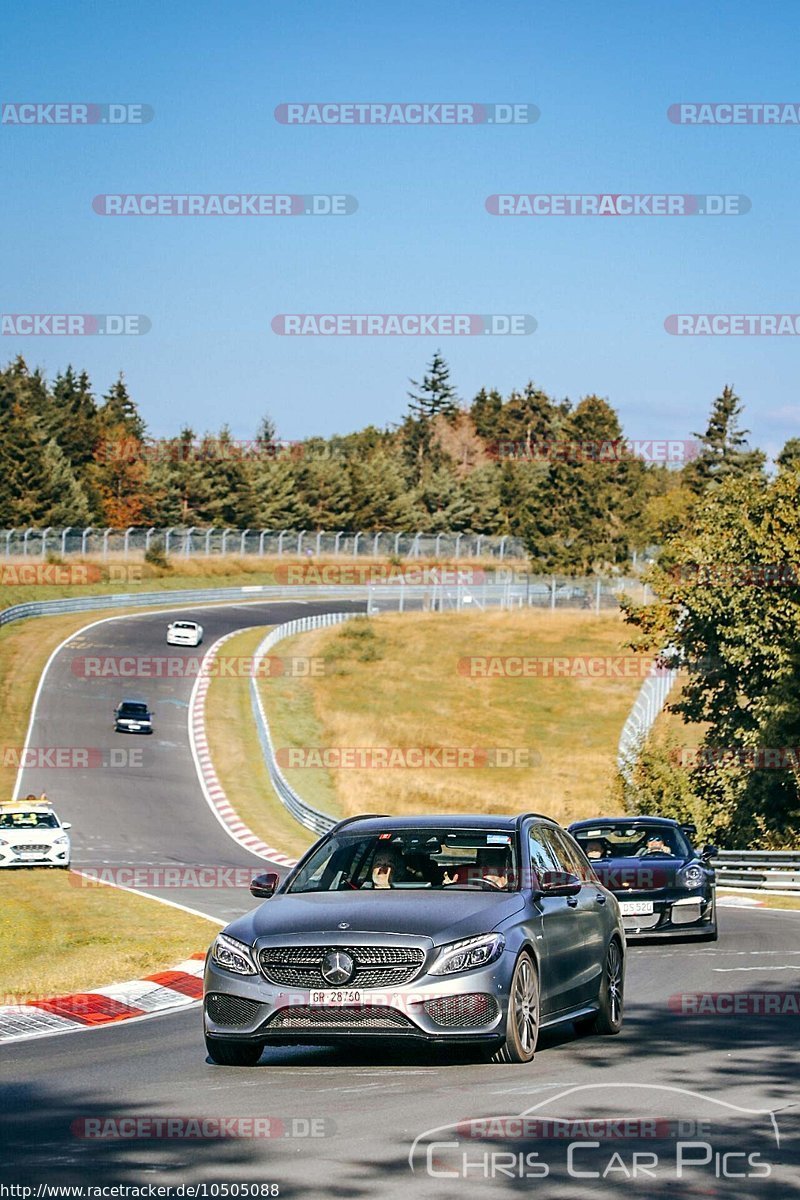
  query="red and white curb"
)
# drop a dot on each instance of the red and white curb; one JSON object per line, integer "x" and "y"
{"x": 181, "y": 987}
{"x": 212, "y": 788}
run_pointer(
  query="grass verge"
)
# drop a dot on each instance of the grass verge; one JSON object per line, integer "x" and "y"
{"x": 395, "y": 682}
{"x": 26, "y": 579}
{"x": 767, "y": 901}
{"x": 57, "y": 936}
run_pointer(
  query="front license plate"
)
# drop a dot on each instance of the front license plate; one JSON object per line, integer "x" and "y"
{"x": 29, "y": 854}
{"x": 635, "y": 908}
{"x": 337, "y": 996}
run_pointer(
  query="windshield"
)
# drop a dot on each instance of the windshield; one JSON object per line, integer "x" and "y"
{"x": 133, "y": 710}
{"x": 184, "y": 625}
{"x": 632, "y": 841}
{"x": 28, "y": 820}
{"x": 412, "y": 859}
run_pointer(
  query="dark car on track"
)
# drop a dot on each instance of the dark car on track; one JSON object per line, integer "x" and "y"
{"x": 133, "y": 716}
{"x": 664, "y": 886}
{"x": 459, "y": 929}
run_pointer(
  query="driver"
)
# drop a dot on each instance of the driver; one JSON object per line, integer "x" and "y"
{"x": 655, "y": 844}
{"x": 493, "y": 866}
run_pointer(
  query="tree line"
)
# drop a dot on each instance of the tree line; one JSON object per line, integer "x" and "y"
{"x": 549, "y": 471}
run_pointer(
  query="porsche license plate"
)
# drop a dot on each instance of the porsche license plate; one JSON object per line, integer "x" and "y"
{"x": 635, "y": 908}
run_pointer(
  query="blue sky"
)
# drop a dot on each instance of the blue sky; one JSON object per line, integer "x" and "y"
{"x": 421, "y": 241}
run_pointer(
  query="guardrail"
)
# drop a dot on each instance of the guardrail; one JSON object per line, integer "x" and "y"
{"x": 318, "y": 822}
{"x": 759, "y": 869}
{"x": 752, "y": 869}
{"x": 648, "y": 704}
{"x": 505, "y": 591}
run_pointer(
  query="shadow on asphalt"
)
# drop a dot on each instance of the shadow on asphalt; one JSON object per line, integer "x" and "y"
{"x": 751, "y": 1061}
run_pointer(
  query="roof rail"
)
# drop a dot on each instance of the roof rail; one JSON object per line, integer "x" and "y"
{"x": 539, "y": 816}
{"x": 360, "y": 817}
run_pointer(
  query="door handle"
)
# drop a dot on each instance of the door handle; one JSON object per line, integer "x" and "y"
{"x": 600, "y": 897}
{"x": 572, "y": 901}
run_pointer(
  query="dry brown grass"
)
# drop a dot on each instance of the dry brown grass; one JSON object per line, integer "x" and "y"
{"x": 57, "y": 936}
{"x": 395, "y": 682}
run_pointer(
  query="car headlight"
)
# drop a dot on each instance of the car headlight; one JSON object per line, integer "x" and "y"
{"x": 3, "y": 842}
{"x": 692, "y": 876}
{"x": 60, "y": 841}
{"x": 233, "y": 955}
{"x": 468, "y": 954}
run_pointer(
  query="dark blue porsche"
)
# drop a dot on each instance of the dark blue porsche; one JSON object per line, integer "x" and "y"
{"x": 664, "y": 886}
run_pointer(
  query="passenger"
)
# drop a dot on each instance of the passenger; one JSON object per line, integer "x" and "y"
{"x": 386, "y": 868}
{"x": 595, "y": 849}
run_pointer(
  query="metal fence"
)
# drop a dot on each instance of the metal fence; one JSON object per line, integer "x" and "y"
{"x": 195, "y": 541}
{"x": 499, "y": 590}
{"x": 648, "y": 704}
{"x": 311, "y": 818}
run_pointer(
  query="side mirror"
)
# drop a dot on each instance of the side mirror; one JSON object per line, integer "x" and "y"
{"x": 559, "y": 883}
{"x": 710, "y": 851}
{"x": 66, "y": 824}
{"x": 263, "y": 886}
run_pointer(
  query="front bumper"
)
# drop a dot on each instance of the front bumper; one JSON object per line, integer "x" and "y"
{"x": 675, "y": 914}
{"x": 125, "y": 727}
{"x": 470, "y": 1007}
{"x": 26, "y": 856}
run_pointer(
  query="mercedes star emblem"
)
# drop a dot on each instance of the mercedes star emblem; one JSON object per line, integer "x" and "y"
{"x": 337, "y": 967}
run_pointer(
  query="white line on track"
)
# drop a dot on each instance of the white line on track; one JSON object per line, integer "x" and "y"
{"x": 770, "y": 967}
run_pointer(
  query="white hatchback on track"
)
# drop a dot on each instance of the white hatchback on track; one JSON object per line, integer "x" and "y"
{"x": 31, "y": 835}
{"x": 184, "y": 633}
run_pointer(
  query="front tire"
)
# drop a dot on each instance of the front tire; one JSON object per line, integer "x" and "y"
{"x": 522, "y": 1021}
{"x": 608, "y": 1018}
{"x": 233, "y": 1054}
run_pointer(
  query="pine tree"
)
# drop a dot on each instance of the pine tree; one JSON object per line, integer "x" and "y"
{"x": 275, "y": 490}
{"x": 118, "y": 409}
{"x": 435, "y": 394}
{"x": 379, "y": 495}
{"x": 724, "y": 446}
{"x": 789, "y": 457}
{"x": 72, "y": 418}
{"x": 484, "y": 410}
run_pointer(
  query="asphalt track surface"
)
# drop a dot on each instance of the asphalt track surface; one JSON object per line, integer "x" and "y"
{"x": 720, "y": 1090}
